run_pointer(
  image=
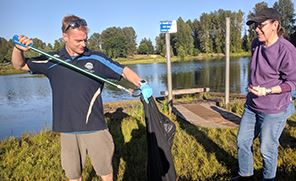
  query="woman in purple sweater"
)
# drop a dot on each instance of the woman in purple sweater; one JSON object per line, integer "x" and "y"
{"x": 269, "y": 102}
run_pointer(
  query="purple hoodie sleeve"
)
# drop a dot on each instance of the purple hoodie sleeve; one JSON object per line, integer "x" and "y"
{"x": 288, "y": 68}
{"x": 285, "y": 87}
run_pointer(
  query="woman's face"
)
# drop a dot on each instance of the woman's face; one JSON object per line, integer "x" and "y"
{"x": 266, "y": 31}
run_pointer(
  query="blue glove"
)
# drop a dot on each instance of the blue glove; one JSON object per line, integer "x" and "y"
{"x": 146, "y": 90}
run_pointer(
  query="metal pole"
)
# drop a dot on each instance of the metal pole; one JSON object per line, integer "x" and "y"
{"x": 169, "y": 70}
{"x": 227, "y": 40}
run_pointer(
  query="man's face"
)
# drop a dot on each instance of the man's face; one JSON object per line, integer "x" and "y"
{"x": 75, "y": 40}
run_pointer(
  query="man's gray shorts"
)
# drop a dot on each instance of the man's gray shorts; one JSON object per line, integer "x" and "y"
{"x": 98, "y": 145}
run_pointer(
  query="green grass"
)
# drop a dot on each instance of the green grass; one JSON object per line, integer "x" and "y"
{"x": 199, "y": 153}
{"x": 137, "y": 59}
{"x": 6, "y": 69}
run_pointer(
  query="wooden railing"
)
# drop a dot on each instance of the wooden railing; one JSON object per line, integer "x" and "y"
{"x": 186, "y": 91}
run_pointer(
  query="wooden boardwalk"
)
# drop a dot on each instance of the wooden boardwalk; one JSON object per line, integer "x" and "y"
{"x": 206, "y": 114}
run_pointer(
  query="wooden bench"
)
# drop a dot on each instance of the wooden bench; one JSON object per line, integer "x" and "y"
{"x": 185, "y": 91}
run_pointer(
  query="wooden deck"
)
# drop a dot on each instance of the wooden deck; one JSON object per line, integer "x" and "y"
{"x": 207, "y": 114}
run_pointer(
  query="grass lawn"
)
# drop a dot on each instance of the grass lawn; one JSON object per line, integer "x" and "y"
{"x": 199, "y": 153}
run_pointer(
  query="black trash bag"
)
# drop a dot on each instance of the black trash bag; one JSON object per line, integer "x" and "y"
{"x": 160, "y": 136}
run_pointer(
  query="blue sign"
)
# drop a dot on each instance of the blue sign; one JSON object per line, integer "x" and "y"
{"x": 168, "y": 26}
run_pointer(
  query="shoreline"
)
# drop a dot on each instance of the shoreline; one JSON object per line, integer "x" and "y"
{"x": 7, "y": 69}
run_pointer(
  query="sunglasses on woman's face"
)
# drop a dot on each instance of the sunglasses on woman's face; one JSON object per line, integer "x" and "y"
{"x": 76, "y": 24}
{"x": 261, "y": 25}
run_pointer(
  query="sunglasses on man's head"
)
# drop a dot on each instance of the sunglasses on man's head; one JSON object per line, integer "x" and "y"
{"x": 75, "y": 24}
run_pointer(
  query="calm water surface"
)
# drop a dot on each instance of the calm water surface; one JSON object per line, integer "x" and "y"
{"x": 25, "y": 100}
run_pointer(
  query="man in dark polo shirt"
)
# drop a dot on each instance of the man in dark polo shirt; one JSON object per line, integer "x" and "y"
{"x": 77, "y": 102}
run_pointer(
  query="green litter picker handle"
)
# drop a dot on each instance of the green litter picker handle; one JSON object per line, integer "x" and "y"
{"x": 134, "y": 93}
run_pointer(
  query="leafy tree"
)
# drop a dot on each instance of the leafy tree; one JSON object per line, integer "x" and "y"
{"x": 4, "y": 47}
{"x": 94, "y": 42}
{"x": 204, "y": 33}
{"x": 195, "y": 28}
{"x": 160, "y": 44}
{"x": 37, "y": 44}
{"x": 251, "y": 32}
{"x": 246, "y": 42}
{"x": 130, "y": 36}
{"x": 58, "y": 44}
{"x": 183, "y": 39}
{"x": 48, "y": 47}
{"x": 236, "y": 25}
{"x": 211, "y": 31}
{"x": 286, "y": 8}
{"x": 146, "y": 47}
{"x": 7, "y": 57}
{"x": 114, "y": 42}
{"x": 173, "y": 42}
{"x": 181, "y": 52}
{"x": 218, "y": 29}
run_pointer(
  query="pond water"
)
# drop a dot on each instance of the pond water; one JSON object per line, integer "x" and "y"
{"x": 25, "y": 100}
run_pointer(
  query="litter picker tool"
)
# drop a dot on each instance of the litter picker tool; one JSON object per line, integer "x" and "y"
{"x": 134, "y": 93}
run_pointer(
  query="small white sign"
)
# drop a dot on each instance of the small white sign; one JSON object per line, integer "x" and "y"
{"x": 168, "y": 26}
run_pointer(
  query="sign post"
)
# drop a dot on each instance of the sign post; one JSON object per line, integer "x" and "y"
{"x": 168, "y": 27}
{"x": 169, "y": 70}
{"x": 227, "y": 40}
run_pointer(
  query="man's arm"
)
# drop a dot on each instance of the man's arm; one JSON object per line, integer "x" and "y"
{"x": 131, "y": 76}
{"x": 17, "y": 57}
{"x": 18, "y": 60}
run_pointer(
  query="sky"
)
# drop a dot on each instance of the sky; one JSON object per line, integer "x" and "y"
{"x": 42, "y": 18}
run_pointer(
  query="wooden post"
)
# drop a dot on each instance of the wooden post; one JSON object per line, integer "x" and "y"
{"x": 169, "y": 70}
{"x": 227, "y": 49}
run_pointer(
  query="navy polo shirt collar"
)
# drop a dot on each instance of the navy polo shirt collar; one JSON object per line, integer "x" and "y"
{"x": 63, "y": 53}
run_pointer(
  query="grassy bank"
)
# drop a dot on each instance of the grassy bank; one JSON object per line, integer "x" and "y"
{"x": 160, "y": 59}
{"x": 199, "y": 153}
{"x": 6, "y": 69}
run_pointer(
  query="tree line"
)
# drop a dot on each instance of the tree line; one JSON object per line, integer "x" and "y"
{"x": 203, "y": 35}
